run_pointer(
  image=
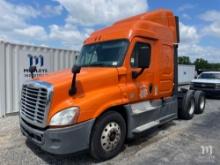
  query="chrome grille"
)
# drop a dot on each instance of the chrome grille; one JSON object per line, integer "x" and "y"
{"x": 35, "y": 99}
{"x": 204, "y": 85}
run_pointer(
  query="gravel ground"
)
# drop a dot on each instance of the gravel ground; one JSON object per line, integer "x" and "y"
{"x": 178, "y": 142}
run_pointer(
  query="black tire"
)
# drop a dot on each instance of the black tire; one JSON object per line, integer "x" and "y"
{"x": 200, "y": 102}
{"x": 187, "y": 109}
{"x": 97, "y": 146}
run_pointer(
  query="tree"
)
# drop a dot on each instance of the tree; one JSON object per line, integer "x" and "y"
{"x": 184, "y": 60}
{"x": 201, "y": 63}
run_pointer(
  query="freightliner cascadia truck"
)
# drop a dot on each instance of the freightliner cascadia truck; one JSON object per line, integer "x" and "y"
{"x": 124, "y": 82}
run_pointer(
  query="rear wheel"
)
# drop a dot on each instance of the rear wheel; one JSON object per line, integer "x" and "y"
{"x": 187, "y": 109}
{"x": 108, "y": 136}
{"x": 200, "y": 102}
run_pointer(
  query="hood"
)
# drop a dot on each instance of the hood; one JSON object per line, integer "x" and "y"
{"x": 88, "y": 79}
{"x": 211, "y": 81}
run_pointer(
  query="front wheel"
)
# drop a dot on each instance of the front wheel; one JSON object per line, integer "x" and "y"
{"x": 108, "y": 136}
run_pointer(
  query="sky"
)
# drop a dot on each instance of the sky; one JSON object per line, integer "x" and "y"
{"x": 66, "y": 23}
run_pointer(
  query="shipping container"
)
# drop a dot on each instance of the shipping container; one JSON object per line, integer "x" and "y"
{"x": 186, "y": 73}
{"x": 15, "y": 60}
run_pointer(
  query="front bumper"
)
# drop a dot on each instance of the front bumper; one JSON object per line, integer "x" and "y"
{"x": 60, "y": 140}
{"x": 207, "y": 91}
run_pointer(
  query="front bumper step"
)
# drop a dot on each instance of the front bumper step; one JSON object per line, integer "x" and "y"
{"x": 60, "y": 140}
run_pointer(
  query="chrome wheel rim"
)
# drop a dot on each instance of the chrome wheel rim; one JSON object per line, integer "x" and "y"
{"x": 202, "y": 103}
{"x": 192, "y": 107}
{"x": 110, "y": 136}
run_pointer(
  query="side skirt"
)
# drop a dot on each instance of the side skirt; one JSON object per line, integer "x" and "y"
{"x": 152, "y": 124}
{"x": 147, "y": 114}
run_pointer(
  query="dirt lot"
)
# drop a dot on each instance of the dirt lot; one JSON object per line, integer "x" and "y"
{"x": 178, "y": 142}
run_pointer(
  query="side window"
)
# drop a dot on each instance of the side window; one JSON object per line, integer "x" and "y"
{"x": 140, "y": 49}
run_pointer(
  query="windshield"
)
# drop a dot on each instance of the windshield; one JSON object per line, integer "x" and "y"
{"x": 209, "y": 76}
{"x": 106, "y": 54}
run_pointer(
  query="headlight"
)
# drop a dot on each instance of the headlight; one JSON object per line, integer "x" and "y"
{"x": 65, "y": 117}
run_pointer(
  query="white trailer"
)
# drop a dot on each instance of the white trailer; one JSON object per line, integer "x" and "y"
{"x": 15, "y": 60}
{"x": 186, "y": 73}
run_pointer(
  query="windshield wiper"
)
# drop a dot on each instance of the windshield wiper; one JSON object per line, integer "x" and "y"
{"x": 95, "y": 64}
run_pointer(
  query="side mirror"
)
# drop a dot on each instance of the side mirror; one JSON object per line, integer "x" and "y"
{"x": 76, "y": 69}
{"x": 32, "y": 69}
{"x": 142, "y": 56}
{"x": 143, "y": 63}
{"x": 143, "y": 59}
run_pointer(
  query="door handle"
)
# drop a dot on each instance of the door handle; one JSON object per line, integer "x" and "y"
{"x": 150, "y": 88}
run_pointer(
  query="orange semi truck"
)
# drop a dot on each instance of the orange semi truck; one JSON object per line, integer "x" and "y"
{"x": 124, "y": 83}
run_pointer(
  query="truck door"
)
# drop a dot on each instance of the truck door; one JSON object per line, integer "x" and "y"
{"x": 143, "y": 89}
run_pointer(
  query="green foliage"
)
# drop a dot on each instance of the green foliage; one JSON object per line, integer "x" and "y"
{"x": 200, "y": 63}
{"x": 214, "y": 66}
{"x": 184, "y": 60}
